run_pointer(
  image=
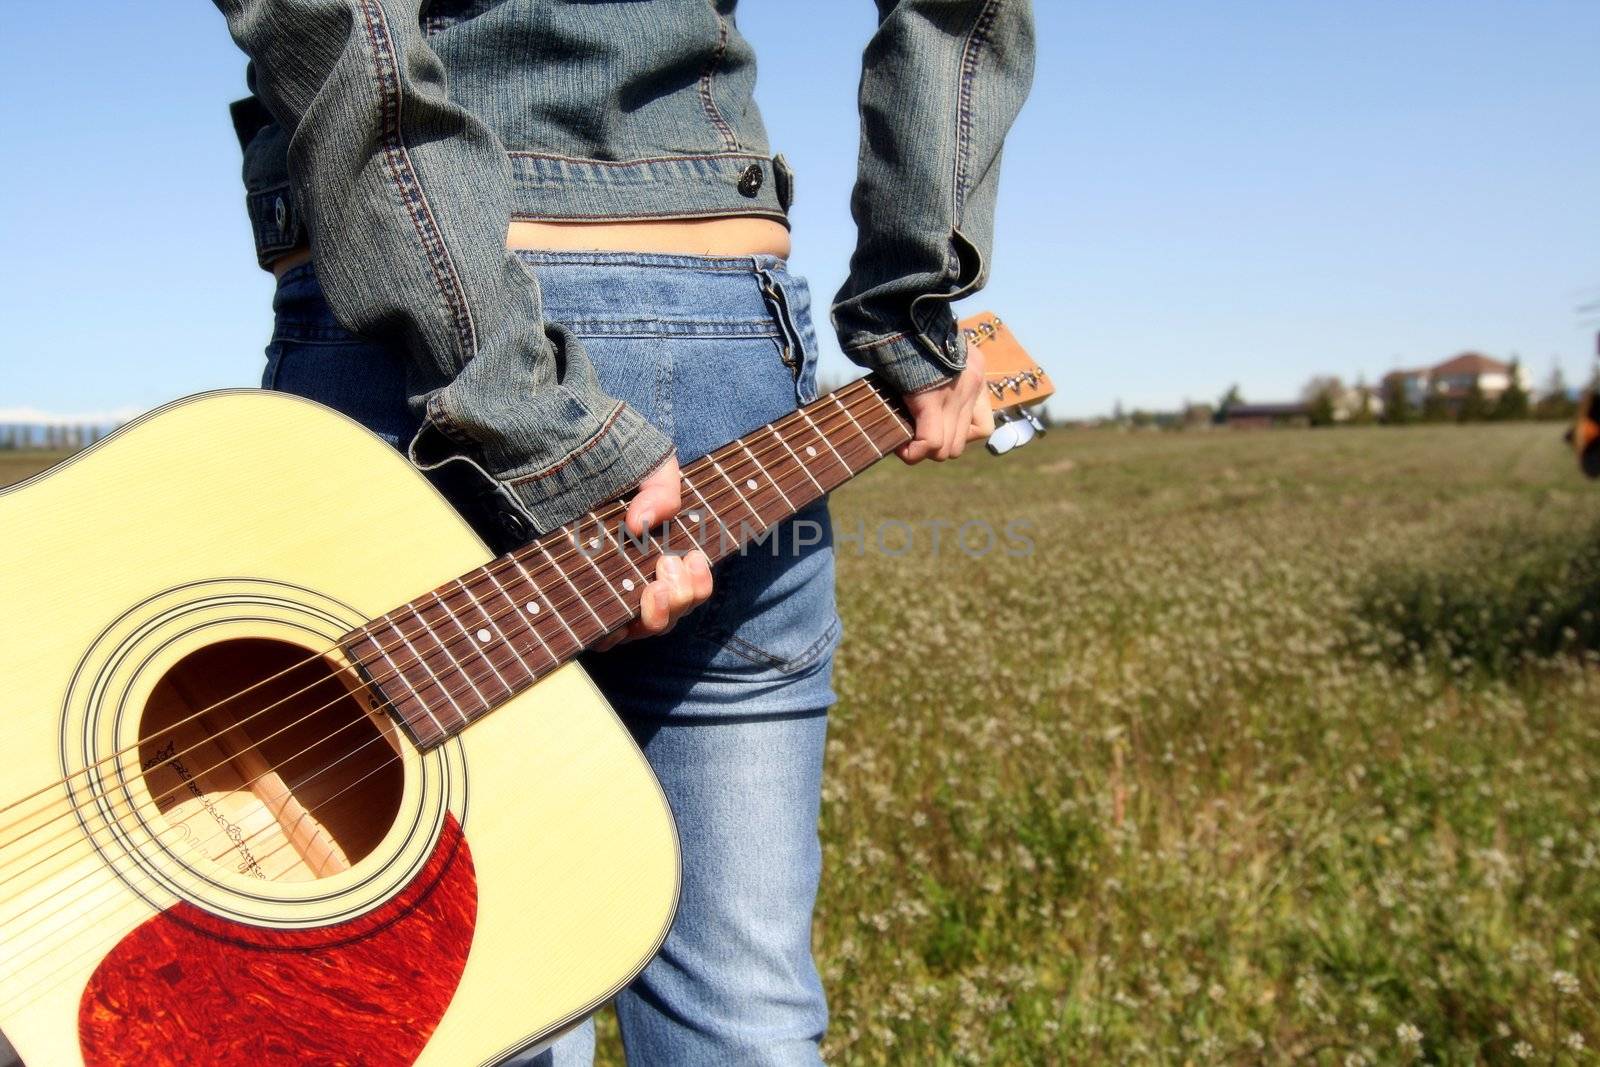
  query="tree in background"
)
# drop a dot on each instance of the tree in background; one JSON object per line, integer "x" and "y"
{"x": 1323, "y": 396}
{"x": 1512, "y": 405}
{"x": 1231, "y": 399}
{"x": 1396, "y": 406}
{"x": 1555, "y": 400}
{"x": 1474, "y": 406}
{"x": 1362, "y": 413}
{"x": 1435, "y": 408}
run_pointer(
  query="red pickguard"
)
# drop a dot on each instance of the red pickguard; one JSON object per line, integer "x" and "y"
{"x": 189, "y": 988}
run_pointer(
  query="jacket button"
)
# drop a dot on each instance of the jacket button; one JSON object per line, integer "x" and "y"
{"x": 750, "y": 180}
{"x": 280, "y": 214}
{"x": 515, "y": 526}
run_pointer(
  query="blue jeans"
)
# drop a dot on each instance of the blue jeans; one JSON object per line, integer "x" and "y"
{"x": 731, "y": 707}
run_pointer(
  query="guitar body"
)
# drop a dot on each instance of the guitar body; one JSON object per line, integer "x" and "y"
{"x": 293, "y": 881}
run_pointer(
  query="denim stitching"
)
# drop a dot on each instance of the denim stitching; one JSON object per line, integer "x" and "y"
{"x": 665, "y": 331}
{"x": 878, "y": 343}
{"x": 444, "y": 422}
{"x": 558, "y": 158}
{"x": 712, "y": 64}
{"x": 759, "y": 328}
{"x": 405, "y": 179}
{"x": 310, "y": 333}
{"x": 756, "y": 653}
{"x": 970, "y": 51}
{"x": 605, "y": 427}
{"x": 642, "y": 260}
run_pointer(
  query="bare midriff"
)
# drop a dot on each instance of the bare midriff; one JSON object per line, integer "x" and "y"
{"x": 732, "y": 236}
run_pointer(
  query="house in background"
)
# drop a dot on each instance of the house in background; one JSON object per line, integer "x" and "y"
{"x": 1454, "y": 378}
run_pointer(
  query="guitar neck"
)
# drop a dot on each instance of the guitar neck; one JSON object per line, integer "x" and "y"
{"x": 452, "y": 655}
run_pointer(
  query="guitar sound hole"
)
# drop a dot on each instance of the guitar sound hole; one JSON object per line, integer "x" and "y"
{"x": 270, "y": 765}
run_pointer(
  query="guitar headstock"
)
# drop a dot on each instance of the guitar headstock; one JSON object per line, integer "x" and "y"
{"x": 1014, "y": 379}
{"x": 1585, "y": 434}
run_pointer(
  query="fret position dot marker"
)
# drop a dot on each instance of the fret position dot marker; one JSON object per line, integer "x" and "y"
{"x": 694, "y": 516}
{"x": 594, "y": 542}
{"x": 751, "y": 484}
{"x": 811, "y": 451}
{"x": 483, "y": 636}
{"x": 627, "y": 585}
{"x": 532, "y": 607}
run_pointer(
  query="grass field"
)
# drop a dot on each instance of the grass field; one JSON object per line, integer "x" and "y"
{"x": 1181, "y": 788}
{"x": 1277, "y": 747}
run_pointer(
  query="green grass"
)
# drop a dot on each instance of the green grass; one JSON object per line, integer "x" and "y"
{"x": 1167, "y": 792}
{"x": 1279, "y": 747}
{"x": 16, "y": 465}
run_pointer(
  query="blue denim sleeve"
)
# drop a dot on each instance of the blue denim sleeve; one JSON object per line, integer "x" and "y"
{"x": 942, "y": 81}
{"x": 407, "y": 199}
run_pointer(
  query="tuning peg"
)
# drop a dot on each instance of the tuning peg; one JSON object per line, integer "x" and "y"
{"x": 1011, "y": 434}
{"x": 1038, "y": 427}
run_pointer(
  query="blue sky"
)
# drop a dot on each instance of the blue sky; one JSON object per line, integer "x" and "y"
{"x": 1196, "y": 194}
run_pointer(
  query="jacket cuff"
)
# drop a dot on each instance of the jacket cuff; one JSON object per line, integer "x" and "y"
{"x": 597, "y": 457}
{"x": 913, "y": 360}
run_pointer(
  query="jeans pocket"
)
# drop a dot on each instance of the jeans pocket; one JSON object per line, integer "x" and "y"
{"x": 772, "y": 605}
{"x": 364, "y": 381}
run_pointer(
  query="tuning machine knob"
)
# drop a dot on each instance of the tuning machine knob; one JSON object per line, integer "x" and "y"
{"x": 1012, "y": 432}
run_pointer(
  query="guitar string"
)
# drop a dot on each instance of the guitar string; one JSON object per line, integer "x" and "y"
{"x": 613, "y": 510}
{"x": 506, "y": 632}
{"x": 494, "y": 569}
{"x": 524, "y": 629}
{"x": 589, "y": 588}
{"x": 323, "y": 681}
{"x": 287, "y": 792}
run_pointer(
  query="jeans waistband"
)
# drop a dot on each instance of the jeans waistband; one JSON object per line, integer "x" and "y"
{"x": 640, "y": 292}
{"x": 621, "y": 293}
{"x": 663, "y": 260}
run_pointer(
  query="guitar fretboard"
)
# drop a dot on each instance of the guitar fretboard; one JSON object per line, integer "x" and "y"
{"x": 452, "y": 655}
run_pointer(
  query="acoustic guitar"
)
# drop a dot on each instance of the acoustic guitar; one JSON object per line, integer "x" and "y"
{"x": 297, "y": 772}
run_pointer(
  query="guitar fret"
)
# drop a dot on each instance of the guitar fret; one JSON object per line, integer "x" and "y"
{"x": 472, "y": 647}
{"x": 455, "y": 664}
{"x": 790, "y": 472}
{"x": 852, "y": 418}
{"x": 688, "y": 535}
{"x": 760, "y": 523}
{"x": 844, "y": 468}
{"x": 401, "y": 672}
{"x": 518, "y": 612}
{"x": 619, "y": 546}
{"x": 723, "y": 546}
{"x": 577, "y": 642}
{"x": 770, "y": 474}
{"x": 496, "y": 630}
{"x": 605, "y": 580}
{"x": 795, "y": 456}
{"x": 414, "y": 693}
{"x": 568, "y": 579}
{"x": 782, "y": 495}
{"x": 896, "y": 431}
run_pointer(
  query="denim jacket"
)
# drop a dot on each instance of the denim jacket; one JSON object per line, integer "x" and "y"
{"x": 399, "y": 137}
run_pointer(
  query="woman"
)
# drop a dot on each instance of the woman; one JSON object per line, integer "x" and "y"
{"x": 635, "y": 314}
